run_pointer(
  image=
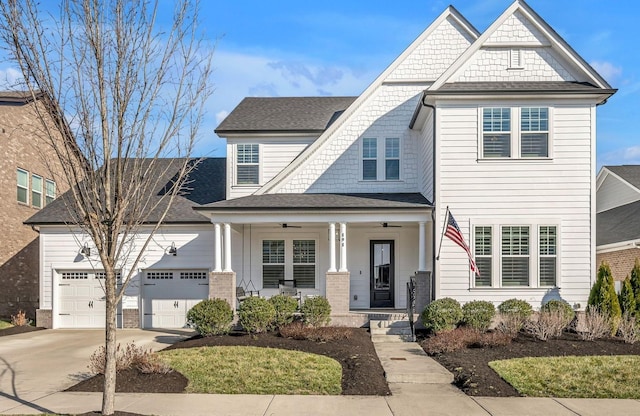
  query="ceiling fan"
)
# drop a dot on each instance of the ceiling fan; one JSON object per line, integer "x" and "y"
{"x": 387, "y": 225}
{"x": 285, "y": 225}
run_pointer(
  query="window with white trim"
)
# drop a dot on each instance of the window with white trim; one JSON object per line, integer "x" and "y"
{"x": 534, "y": 132}
{"x": 547, "y": 261}
{"x": 515, "y": 255}
{"x": 36, "y": 191}
{"x": 392, "y": 159}
{"x": 272, "y": 263}
{"x": 304, "y": 263}
{"x": 483, "y": 255}
{"x": 496, "y": 132}
{"x": 247, "y": 164}
{"x": 527, "y": 139}
{"x": 369, "y": 159}
{"x": 289, "y": 259}
{"x": 22, "y": 179}
{"x": 50, "y": 191}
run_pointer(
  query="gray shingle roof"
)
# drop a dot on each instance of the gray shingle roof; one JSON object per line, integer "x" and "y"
{"x": 284, "y": 114}
{"x": 555, "y": 87}
{"x": 618, "y": 224}
{"x": 353, "y": 201}
{"x": 630, "y": 173}
{"x": 206, "y": 184}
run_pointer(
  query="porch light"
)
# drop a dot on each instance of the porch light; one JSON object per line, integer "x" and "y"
{"x": 85, "y": 251}
{"x": 173, "y": 250}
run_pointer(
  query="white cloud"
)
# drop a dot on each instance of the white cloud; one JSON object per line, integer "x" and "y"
{"x": 609, "y": 71}
{"x": 622, "y": 156}
{"x": 10, "y": 78}
{"x": 221, "y": 115}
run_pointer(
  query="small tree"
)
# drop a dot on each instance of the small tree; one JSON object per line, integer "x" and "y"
{"x": 635, "y": 282}
{"x": 627, "y": 298}
{"x": 603, "y": 296}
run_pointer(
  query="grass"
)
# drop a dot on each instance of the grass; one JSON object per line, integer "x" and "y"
{"x": 255, "y": 370}
{"x": 614, "y": 377}
{"x": 5, "y": 324}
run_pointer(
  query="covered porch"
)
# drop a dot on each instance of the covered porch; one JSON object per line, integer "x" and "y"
{"x": 357, "y": 250}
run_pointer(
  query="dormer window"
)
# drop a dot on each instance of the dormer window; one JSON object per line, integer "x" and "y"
{"x": 248, "y": 164}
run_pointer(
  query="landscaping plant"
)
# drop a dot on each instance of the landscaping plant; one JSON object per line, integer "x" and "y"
{"x": 478, "y": 314}
{"x": 603, "y": 297}
{"x": 549, "y": 324}
{"x": 316, "y": 311}
{"x": 20, "y": 319}
{"x": 211, "y": 317}
{"x": 463, "y": 337}
{"x": 285, "y": 307}
{"x": 442, "y": 315}
{"x": 513, "y": 315}
{"x": 131, "y": 356}
{"x": 595, "y": 325}
{"x": 627, "y": 298}
{"x": 635, "y": 282}
{"x": 256, "y": 314}
{"x": 629, "y": 330}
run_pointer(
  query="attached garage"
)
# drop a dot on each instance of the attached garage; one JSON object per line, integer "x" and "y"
{"x": 81, "y": 299}
{"x": 167, "y": 296}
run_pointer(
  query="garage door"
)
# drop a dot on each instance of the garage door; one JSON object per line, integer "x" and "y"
{"x": 169, "y": 294}
{"x": 82, "y": 301}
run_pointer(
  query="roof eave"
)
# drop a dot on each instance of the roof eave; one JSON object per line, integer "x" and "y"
{"x": 263, "y": 131}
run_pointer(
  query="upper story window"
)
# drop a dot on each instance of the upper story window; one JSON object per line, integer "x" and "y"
{"x": 36, "y": 191}
{"x": 381, "y": 159}
{"x": 502, "y": 139}
{"x": 248, "y": 164}
{"x": 50, "y": 191}
{"x": 23, "y": 186}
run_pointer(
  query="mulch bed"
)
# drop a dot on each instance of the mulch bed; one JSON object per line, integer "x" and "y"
{"x": 474, "y": 377}
{"x": 18, "y": 330}
{"x": 362, "y": 373}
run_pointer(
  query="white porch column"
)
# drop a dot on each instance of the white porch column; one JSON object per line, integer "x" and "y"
{"x": 422, "y": 247}
{"x": 217, "y": 253}
{"x": 227, "y": 247}
{"x": 332, "y": 247}
{"x": 343, "y": 247}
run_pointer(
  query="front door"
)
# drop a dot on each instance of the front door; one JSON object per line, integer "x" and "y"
{"x": 382, "y": 277}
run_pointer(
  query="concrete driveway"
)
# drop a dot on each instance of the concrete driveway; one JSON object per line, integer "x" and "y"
{"x": 39, "y": 363}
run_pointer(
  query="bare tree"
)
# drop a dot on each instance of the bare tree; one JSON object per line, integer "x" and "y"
{"x": 122, "y": 93}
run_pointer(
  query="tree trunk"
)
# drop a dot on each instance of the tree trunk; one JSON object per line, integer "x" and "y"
{"x": 109, "y": 392}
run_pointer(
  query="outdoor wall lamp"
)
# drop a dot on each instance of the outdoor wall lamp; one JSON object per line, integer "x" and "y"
{"x": 173, "y": 250}
{"x": 85, "y": 251}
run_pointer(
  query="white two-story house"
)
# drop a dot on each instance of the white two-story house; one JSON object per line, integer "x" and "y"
{"x": 346, "y": 197}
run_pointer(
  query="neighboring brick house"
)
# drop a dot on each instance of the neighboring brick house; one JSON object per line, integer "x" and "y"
{"x": 26, "y": 186}
{"x": 618, "y": 218}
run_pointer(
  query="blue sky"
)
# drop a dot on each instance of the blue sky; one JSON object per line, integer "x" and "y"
{"x": 338, "y": 47}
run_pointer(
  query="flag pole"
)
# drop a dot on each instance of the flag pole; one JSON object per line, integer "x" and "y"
{"x": 444, "y": 227}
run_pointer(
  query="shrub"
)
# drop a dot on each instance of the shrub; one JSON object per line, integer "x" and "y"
{"x": 316, "y": 311}
{"x": 635, "y": 282}
{"x": 603, "y": 297}
{"x": 256, "y": 314}
{"x": 595, "y": 325}
{"x": 513, "y": 313}
{"x": 285, "y": 307}
{"x": 629, "y": 330}
{"x": 561, "y": 306}
{"x": 297, "y": 330}
{"x": 463, "y": 337}
{"x": 131, "y": 356}
{"x": 20, "y": 319}
{"x": 478, "y": 314}
{"x": 549, "y": 324}
{"x": 442, "y": 315}
{"x": 211, "y": 317}
{"x": 627, "y": 298}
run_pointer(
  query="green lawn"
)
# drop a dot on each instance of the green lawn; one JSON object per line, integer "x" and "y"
{"x": 615, "y": 377}
{"x": 254, "y": 370}
{"x": 5, "y": 324}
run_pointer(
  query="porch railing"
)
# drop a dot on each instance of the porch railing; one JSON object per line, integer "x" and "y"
{"x": 411, "y": 305}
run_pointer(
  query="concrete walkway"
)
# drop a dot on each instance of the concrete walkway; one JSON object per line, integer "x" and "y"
{"x": 419, "y": 386}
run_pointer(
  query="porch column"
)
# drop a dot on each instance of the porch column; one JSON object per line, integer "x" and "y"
{"x": 227, "y": 247}
{"x": 422, "y": 247}
{"x": 217, "y": 253}
{"x": 332, "y": 247}
{"x": 343, "y": 247}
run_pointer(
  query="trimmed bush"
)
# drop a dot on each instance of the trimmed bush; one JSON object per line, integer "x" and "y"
{"x": 211, "y": 317}
{"x": 256, "y": 314}
{"x": 478, "y": 314}
{"x": 556, "y": 305}
{"x": 513, "y": 313}
{"x": 285, "y": 307}
{"x": 316, "y": 311}
{"x": 442, "y": 315}
{"x": 627, "y": 298}
{"x": 603, "y": 297}
{"x": 463, "y": 337}
{"x": 635, "y": 282}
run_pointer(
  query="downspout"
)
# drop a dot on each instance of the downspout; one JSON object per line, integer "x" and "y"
{"x": 434, "y": 233}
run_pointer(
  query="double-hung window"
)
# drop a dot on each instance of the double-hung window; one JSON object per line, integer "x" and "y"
{"x": 50, "y": 191}
{"x": 284, "y": 260}
{"x": 392, "y": 159}
{"x": 483, "y": 254}
{"x": 248, "y": 164}
{"x": 534, "y": 132}
{"x": 515, "y": 256}
{"x": 369, "y": 159}
{"x": 23, "y": 186}
{"x": 272, "y": 263}
{"x": 496, "y": 132}
{"x": 548, "y": 242}
{"x": 36, "y": 191}
{"x": 527, "y": 137}
{"x": 304, "y": 263}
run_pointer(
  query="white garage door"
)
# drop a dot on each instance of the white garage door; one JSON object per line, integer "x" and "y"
{"x": 82, "y": 300}
{"x": 169, "y": 294}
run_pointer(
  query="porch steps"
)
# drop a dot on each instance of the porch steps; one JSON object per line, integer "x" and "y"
{"x": 390, "y": 330}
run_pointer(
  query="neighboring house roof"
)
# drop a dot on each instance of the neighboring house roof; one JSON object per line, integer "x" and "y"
{"x": 284, "y": 114}
{"x": 618, "y": 224}
{"x": 205, "y": 184}
{"x": 354, "y": 201}
{"x": 630, "y": 173}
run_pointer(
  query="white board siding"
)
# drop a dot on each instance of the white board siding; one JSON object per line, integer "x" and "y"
{"x": 60, "y": 251}
{"x": 425, "y": 159}
{"x": 517, "y": 192}
{"x": 614, "y": 193}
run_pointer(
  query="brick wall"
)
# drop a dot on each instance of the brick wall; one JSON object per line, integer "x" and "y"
{"x": 22, "y": 145}
{"x": 222, "y": 285}
{"x": 130, "y": 318}
{"x": 621, "y": 261}
{"x": 337, "y": 291}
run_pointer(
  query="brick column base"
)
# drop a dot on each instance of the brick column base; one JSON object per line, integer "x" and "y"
{"x": 337, "y": 291}
{"x": 44, "y": 318}
{"x": 130, "y": 318}
{"x": 222, "y": 285}
{"x": 423, "y": 291}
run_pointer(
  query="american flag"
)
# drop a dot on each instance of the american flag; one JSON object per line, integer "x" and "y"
{"x": 453, "y": 232}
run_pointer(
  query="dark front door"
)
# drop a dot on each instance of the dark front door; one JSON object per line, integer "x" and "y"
{"x": 382, "y": 266}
